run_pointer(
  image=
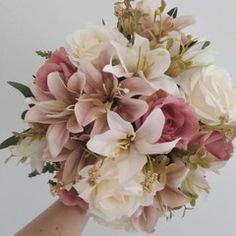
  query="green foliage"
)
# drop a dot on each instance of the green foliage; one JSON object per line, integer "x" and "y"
{"x": 206, "y": 44}
{"x": 173, "y": 12}
{"x": 128, "y": 19}
{"x": 23, "y": 114}
{"x": 22, "y": 88}
{"x": 48, "y": 168}
{"x": 195, "y": 157}
{"x": 13, "y": 140}
{"x": 44, "y": 54}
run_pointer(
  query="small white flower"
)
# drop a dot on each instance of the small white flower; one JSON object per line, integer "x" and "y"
{"x": 32, "y": 149}
{"x": 196, "y": 184}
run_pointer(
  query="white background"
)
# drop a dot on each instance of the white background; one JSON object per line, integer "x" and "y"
{"x": 27, "y": 26}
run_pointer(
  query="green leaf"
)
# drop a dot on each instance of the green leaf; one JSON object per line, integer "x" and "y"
{"x": 23, "y": 114}
{"x": 33, "y": 174}
{"x": 22, "y": 88}
{"x": 9, "y": 142}
{"x": 103, "y": 22}
{"x": 206, "y": 44}
{"x": 44, "y": 54}
{"x": 173, "y": 12}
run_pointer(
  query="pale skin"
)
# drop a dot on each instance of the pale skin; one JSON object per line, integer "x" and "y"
{"x": 57, "y": 220}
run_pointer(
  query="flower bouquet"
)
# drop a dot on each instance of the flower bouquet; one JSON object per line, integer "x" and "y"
{"x": 128, "y": 120}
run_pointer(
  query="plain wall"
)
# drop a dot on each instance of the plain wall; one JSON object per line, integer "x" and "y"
{"x": 27, "y": 26}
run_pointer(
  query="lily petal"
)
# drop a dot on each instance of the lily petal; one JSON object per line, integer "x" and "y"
{"x": 115, "y": 122}
{"x": 73, "y": 126}
{"x": 159, "y": 148}
{"x": 94, "y": 78}
{"x": 130, "y": 164}
{"x": 136, "y": 86}
{"x": 57, "y": 137}
{"x": 40, "y": 94}
{"x": 131, "y": 109}
{"x": 159, "y": 60}
{"x": 173, "y": 198}
{"x": 77, "y": 82}
{"x": 167, "y": 84}
{"x": 58, "y": 89}
{"x": 152, "y": 128}
{"x": 105, "y": 144}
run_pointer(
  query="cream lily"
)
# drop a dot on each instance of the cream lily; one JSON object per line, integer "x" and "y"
{"x": 130, "y": 147}
{"x": 140, "y": 61}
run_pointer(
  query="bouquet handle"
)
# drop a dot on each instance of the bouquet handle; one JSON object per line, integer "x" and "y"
{"x": 58, "y": 220}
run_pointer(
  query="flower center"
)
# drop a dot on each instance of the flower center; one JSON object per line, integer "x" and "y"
{"x": 125, "y": 143}
{"x": 94, "y": 174}
{"x": 150, "y": 179}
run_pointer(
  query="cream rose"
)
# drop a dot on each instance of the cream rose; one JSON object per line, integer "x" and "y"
{"x": 210, "y": 91}
{"x": 107, "y": 198}
{"x": 90, "y": 41}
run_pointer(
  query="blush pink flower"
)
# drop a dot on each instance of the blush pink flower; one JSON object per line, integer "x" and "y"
{"x": 145, "y": 219}
{"x": 103, "y": 92}
{"x": 181, "y": 120}
{"x": 56, "y": 108}
{"x": 171, "y": 197}
{"x": 58, "y": 62}
{"x": 216, "y": 145}
{"x": 148, "y": 27}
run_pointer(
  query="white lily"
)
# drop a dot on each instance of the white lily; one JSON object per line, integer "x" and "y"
{"x": 140, "y": 60}
{"x": 130, "y": 148}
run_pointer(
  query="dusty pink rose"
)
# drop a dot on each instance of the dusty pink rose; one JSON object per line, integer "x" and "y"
{"x": 216, "y": 145}
{"x": 71, "y": 198}
{"x": 181, "y": 120}
{"x": 58, "y": 62}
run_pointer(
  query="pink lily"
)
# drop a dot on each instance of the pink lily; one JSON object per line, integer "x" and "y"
{"x": 56, "y": 108}
{"x": 104, "y": 92}
{"x": 171, "y": 196}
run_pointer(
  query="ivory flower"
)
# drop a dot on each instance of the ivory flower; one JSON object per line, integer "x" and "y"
{"x": 140, "y": 61}
{"x": 210, "y": 91}
{"x": 122, "y": 142}
{"x": 109, "y": 199}
{"x": 195, "y": 184}
{"x": 90, "y": 42}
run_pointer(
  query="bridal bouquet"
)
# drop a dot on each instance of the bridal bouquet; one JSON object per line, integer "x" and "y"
{"x": 129, "y": 120}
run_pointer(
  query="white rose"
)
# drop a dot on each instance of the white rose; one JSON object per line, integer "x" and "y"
{"x": 90, "y": 41}
{"x": 210, "y": 91}
{"x": 32, "y": 149}
{"x": 108, "y": 199}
